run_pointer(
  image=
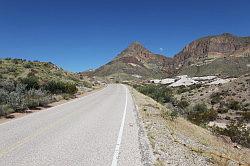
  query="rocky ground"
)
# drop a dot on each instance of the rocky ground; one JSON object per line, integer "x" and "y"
{"x": 179, "y": 142}
{"x": 236, "y": 90}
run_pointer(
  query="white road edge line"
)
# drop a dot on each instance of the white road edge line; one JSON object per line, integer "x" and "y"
{"x": 119, "y": 139}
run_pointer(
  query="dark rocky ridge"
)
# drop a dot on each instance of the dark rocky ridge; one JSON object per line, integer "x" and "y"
{"x": 213, "y": 47}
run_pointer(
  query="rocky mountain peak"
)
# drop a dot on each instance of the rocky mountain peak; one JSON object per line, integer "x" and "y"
{"x": 135, "y": 50}
{"x": 136, "y": 47}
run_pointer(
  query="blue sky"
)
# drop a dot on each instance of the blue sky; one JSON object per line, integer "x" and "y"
{"x": 79, "y": 35}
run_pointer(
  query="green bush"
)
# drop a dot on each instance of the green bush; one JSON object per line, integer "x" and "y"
{"x": 11, "y": 69}
{"x": 234, "y": 105}
{"x": 67, "y": 96}
{"x": 173, "y": 115}
{"x": 87, "y": 84}
{"x": 17, "y": 61}
{"x": 222, "y": 110}
{"x": 182, "y": 89}
{"x": 245, "y": 115}
{"x": 200, "y": 114}
{"x": 160, "y": 93}
{"x": 183, "y": 104}
{"x": 5, "y": 110}
{"x": 58, "y": 87}
{"x": 16, "y": 99}
{"x": 215, "y": 98}
{"x": 3, "y": 96}
{"x": 195, "y": 86}
{"x": 8, "y": 85}
{"x": 237, "y": 131}
{"x": 35, "y": 98}
{"x": 31, "y": 82}
{"x": 28, "y": 65}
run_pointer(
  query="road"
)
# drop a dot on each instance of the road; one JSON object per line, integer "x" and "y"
{"x": 97, "y": 129}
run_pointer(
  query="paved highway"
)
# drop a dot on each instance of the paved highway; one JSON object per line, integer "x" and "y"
{"x": 98, "y": 129}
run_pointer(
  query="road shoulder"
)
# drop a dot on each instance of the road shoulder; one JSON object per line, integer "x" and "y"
{"x": 179, "y": 142}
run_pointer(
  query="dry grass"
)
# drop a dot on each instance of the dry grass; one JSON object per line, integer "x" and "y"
{"x": 209, "y": 145}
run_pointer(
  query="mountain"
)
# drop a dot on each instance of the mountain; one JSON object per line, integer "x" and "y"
{"x": 213, "y": 47}
{"x": 135, "y": 62}
{"x": 225, "y": 54}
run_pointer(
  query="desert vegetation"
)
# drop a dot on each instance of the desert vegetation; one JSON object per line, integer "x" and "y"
{"x": 17, "y": 96}
{"x": 215, "y": 104}
{"x": 237, "y": 131}
{"x": 160, "y": 93}
{"x": 28, "y": 85}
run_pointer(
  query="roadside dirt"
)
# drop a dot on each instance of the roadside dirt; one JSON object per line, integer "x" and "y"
{"x": 179, "y": 142}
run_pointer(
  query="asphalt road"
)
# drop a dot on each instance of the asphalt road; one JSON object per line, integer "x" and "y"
{"x": 97, "y": 129}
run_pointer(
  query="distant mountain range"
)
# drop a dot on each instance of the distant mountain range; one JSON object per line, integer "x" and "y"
{"x": 225, "y": 55}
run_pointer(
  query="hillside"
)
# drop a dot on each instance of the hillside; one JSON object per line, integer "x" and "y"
{"x": 225, "y": 55}
{"x": 212, "y": 47}
{"x": 135, "y": 62}
{"x": 176, "y": 141}
{"x": 18, "y": 68}
{"x": 28, "y": 85}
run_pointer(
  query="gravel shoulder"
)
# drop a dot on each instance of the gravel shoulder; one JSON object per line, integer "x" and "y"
{"x": 179, "y": 142}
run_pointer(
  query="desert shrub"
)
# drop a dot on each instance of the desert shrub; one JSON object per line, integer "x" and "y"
{"x": 70, "y": 88}
{"x": 222, "y": 110}
{"x": 200, "y": 114}
{"x": 245, "y": 115}
{"x": 16, "y": 99}
{"x": 160, "y": 93}
{"x": 66, "y": 96}
{"x": 194, "y": 86}
{"x": 182, "y": 89}
{"x": 3, "y": 95}
{"x": 8, "y": 85}
{"x": 234, "y": 105}
{"x": 35, "y": 98}
{"x": 17, "y": 61}
{"x": 28, "y": 65}
{"x": 58, "y": 87}
{"x": 237, "y": 131}
{"x": 31, "y": 82}
{"x": 215, "y": 98}
{"x": 246, "y": 104}
{"x": 5, "y": 110}
{"x": 11, "y": 69}
{"x": 183, "y": 104}
{"x": 87, "y": 84}
{"x": 173, "y": 115}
